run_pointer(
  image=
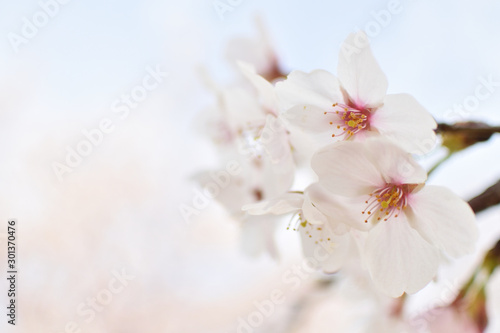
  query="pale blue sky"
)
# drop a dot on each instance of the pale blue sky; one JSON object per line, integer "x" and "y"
{"x": 91, "y": 49}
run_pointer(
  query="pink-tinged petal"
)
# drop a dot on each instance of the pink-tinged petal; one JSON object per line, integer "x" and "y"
{"x": 449, "y": 319}
{"x": 398, "y": 258}
{"x": 265, "y": 90}
{"x": 323, "y": 248}
{"x": 318, "y": 88}
{"x": 395, "y": 164}
{"x": 444, "y": 220}
{"x": 255, "y": 50}
{"x": 286, "y": 203}
{"x": 359, "y": 73}
{"x": 346, "y": 169}
{"x": 403, "y": 120}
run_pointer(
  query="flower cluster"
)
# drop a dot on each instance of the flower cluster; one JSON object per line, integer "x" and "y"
{"x": 368, "y": 196}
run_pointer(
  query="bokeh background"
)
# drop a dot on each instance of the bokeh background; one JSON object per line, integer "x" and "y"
{"x": 119, "y": 208}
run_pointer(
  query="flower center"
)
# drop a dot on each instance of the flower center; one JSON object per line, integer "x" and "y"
{"x": 387, "y": 201}
{"x": 352, "y": 120}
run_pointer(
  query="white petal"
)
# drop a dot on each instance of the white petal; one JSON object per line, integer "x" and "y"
{"x": 266, "y": 91}
{"x": 283, "y": 204}
{"x": 444, "y": 220}
{"x": 321, "y": 246}
{"x": 276, "y": 178}
{"x": 342, "y": 212}
{"x": 395, "y": 164}
{"x": 274, "y": 140}
{"x": 233, "y": 192}
{"x": 406, "y": 122}
{"x": 318, "y": 88}
{"x": 311, "y": 213}
{"x": 346, "y": 168}
{"x": 359, "y": 73}
{"x": 278, "y": 171}
{"x": 398, "y": 258}
{"x": 273, "y": 159}
{"x": 240, "y": 108}
{"x": 311, "y": 119}
{"x": 305, "y": 144}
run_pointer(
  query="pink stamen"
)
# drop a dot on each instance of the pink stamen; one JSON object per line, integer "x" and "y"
{"x": 387, "y": 201}
{"x": 354, "y": 119}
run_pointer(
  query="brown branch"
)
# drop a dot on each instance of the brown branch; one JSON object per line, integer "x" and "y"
{"x": 490, "y": 197}
{"x": 462, "y": 135}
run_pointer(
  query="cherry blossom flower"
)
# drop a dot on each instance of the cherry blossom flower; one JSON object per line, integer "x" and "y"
{"x": 354, "y": 105}
{"x": 249, "y": 132}
{"x": 317, "y": 230}
{"x": 256, "y": 51}
{"x": 412, "y": 225}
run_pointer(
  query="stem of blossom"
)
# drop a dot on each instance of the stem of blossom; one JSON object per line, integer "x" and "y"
{"x": 398, "y": 306}
{"x": 444, "y": 159}
{"x": 490, "y": 197}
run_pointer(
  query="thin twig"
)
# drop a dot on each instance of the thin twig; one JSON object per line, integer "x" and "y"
{"x": 471, "y": 128}
{"x": 441, "y": 161}
{"x": 467, "y": 133}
